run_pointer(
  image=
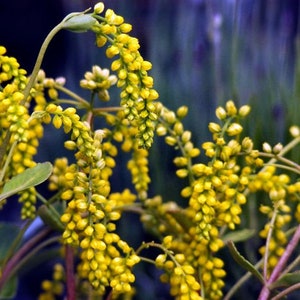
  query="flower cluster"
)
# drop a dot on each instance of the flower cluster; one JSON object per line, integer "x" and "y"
{"x": 215, "y": 191}
{"x": 106, "y": 260}
{"x": 180, "y": 275}
{"x": 18, "y": 133}
{"x": 85, "y": 209}
{"x": 132, "y": 70}
{"x": 278, "y": 212}
{"x": 176, "y": 229}
{"x": 11, "y": 71}
{"x": 45, "y": 89}
{"x": 278, "y": 227}
{"x": 123, "y": 131}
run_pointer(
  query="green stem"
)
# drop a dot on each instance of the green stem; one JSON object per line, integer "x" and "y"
{"x": 148, "y": 260}
{"x": 285, "y": 292}
{"x": 39, "y": 60}
{"x": 270, "y": 232}
{"x": 286, "y": 149}
{"x": 240, "y": 282}
{"x": 284, "y": 167}
{"x": 293, "y": 166}
{"x": 83, "y": 102}
{"x": 291, "y": 266}
{"x": 101, "y": 110}
{"x": 159, "y": 246}
{"x": 32, "y": 79}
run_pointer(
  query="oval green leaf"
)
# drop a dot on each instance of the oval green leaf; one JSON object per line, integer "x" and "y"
{"x": 29, "y": 178}
{"x": 238, "y": 235}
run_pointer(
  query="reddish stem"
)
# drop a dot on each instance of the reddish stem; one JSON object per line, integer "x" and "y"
{"x": 71, "y": 294}
{"x": 265, "y": 292}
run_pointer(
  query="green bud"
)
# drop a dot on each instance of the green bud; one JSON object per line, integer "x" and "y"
{"x": 79, "y": 22}
{"x": 51, "y": 217}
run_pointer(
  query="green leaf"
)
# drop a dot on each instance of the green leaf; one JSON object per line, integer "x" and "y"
{"x": 238, "y": 236}
{"x": 10, "y": 288}
{"x": 286, "y": 280}
{"x": 8, "y": 233}
{"x": 29, "y": 178}
{"x": 242, "y": 261}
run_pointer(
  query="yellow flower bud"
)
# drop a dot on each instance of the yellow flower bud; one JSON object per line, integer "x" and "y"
{"x": 111, "y": 51}
{"x": 70, "y": 145}
{"x": 53, "y": 94}
{"x": 267, "y": 148}
{"x": 234, "y": 129}
{"x": 17, "y": 96}
{"x": 89, "y": 230}
{"x": 160, "y": 260}
{"x": 67, "y": 195}
{"x": 82, "y": 224}
{"x": 178, "y": 128}
{"x": 2, "y": 50}
{"x": 294, "y": 131}
{"x": 221, "y": 113}
{"x": 125, "y": 27}
{"x": 101, "y": 40}
{"x": 182, "y": 111}
{"x": 98, "y": 8}
{"x": 51, "y": 108}
{"x": 182, "y": 173}
{"x": 194, "y": 152}
{"x": 247, "y": 144}
{"x": 277, "y": 148}
{"x": 231, "y": 108}
{"x": 57, "y": 121}
{"x": 244, "y": 110}
{"x": 186, "y": 136}
{"x": 171, "y": 141}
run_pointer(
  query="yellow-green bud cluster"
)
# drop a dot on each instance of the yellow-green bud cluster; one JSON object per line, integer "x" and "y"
{"x": 10, "y": 71}
{"x": 47, "y": 86}
{"x": 57, "y": 178}
{"x": 163, "y": 219}
{"x": 278, "y": 241}
{"x": 138, "y": 167}
{"x": 23, "y": 133}
{"x": 180, "y": 275}
{"x": 124, "y": 132}
{"x": 28, "y": 199}
{"x": 81, "y": 138}
{"x": 99, "y": 81}
{"x": 215, "y": 191}
{"x": 106, "y": 260}
{"x": 132, "y": 70}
